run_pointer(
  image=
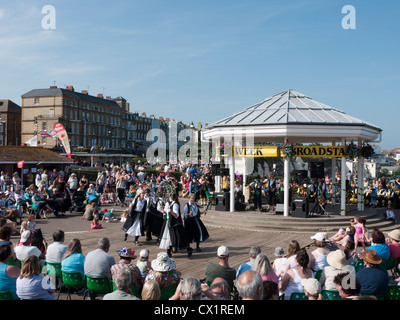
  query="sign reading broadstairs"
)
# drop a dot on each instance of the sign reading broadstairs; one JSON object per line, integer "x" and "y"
{"x": 300, "y": 151}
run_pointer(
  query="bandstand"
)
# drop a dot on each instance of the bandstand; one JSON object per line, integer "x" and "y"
{"x": 294, "y": 117}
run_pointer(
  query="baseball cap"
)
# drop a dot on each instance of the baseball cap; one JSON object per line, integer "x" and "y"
{"x": 144, "y": 253}
{"x": 223, "y": 251}
{"x": 319, "y": 236}
{"x": 311, "y": 285}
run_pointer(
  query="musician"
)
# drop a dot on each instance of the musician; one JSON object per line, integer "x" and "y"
{"x": 272, "y": 187}
{"x": 257, "y": 185}
{"x": 194, "y": 227}
{"x": 193, "y": 187}
{"x": 134, "y": 224}
{"x": 173, "y": 234}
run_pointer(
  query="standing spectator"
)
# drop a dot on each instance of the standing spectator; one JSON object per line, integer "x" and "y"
{"x": 72, "y": 182}
{"x": 250, "y": 285}
{"x": 31, "y": 285}
{"x": 123, "y": 280}
{"x": 254, "y": 251}
{"x": 222, "y": 268}
{"x": 8, "y": 273}
{"x": 373, "y": 279}
{"x": 73, "y": 260}
{"x": 56, "y": 250}
{"x": 98, "y": 262}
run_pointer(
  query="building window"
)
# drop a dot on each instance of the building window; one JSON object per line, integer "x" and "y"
{"x": 36, "y": 101}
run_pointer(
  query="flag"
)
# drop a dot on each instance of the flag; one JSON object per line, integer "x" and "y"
{"x": 20, "y": 164}
{"x": 63, "y": 136}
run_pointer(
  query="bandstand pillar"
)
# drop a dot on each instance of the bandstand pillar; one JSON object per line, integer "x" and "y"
{"x": 343, "y": 184}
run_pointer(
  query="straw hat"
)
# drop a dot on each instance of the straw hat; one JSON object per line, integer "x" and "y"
{"x": 337, "y": 259}
{"x": 311, "y": 285}
{"x": 126, "y": 253}
{"x": 371, "y": 256}
{"x": 395, "y": 234}
{"x": 163, "y": 263}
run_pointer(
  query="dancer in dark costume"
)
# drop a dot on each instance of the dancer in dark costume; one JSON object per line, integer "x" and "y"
{"x": 134, "y": 224}
{"x": 194, "y": 227}
{"x": 173, "y": 234}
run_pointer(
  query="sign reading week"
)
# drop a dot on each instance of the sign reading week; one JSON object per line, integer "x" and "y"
{"x": 300, "y": 151}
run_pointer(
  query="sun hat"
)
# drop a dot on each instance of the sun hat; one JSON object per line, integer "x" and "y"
{"x": 223, "y": 252}
{"x": 311, "y": 285}
{"x": 126, "y": 253}
{"x": 319, "y": 236}
{"x": 163, "y": 263}
{"x": 25, "y": 236}
{"x": 337, "y": 259}
{"x": 371, "y": 256}
{"x": 279, "y": 252}
{"x": 394, "y": 234}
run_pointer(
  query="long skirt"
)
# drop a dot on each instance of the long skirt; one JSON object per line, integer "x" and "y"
{"x": 196, "y": 230}
{"x": 136, "y": 228}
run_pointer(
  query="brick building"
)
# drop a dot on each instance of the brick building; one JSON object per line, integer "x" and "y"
{"x": 10, "y": 123}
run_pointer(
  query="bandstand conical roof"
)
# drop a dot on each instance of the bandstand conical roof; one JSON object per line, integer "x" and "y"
{"x": 295, "y": 114}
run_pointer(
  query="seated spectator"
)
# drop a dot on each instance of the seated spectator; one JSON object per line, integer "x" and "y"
{"x": 378, "y": 243}
{"x": 291, "y": 281}
{"x": 270, "y": 290}
{"x": 8, "y": 273}
{"x": 264, "y": 268}
{"x": 280, "y": 260}
{"x": 25, "y": 249}
{"x": 254, "y": 251}
{"x": 30, "y": 284}
{"x": 5, "y": 236}
{"x": 347, "y": 285}
{"x": 220, "y": 288}
{"x": 56, "y": 250}
{"x": 163, "y": 270}
{"x": 312, "y": 289}
{"x": 337, "y": 263}
{"x": 222, "y": 268}
{"x": 126, "y": 256}
{"x": 123, "y": 282}
{"x": 143, "y": 262}
{"x": 389, "y": 214}
{"x": 90, "y": 211}
{"x": 151, "y": 290}
{"x": 250, "y": 285}
{"x": 393, "y": 243}
{"x": 189, "y": 289}
{"x": 373, "y": 279}
{"x": 39, "y": 242}
{"x": 293, "y": 248}
{"x": 98, "y": 262}
{"x": 318, "y": 256}
{"x": 73, "y": 260}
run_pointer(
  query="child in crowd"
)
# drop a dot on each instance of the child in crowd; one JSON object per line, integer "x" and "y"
{"x": 338, "y": 236}
{"x": 124, "y": 215}
{"x": 143, "y": 263}
{"x": 108, "y": 215}
{"x": 31, "y": 223}
{"x": 360, "y": 235}
{"x": 389, "y": 214}
{"x": 24, "y": 227}
{"x": 95, "y": 224}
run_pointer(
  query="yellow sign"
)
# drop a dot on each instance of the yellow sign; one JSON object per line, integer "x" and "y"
{"x": 319, "y": 151}
{"x": 261, "y": 151}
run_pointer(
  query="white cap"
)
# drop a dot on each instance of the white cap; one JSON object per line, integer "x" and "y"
{"x": 25, "y": 236}
{"x": 319, "y": 236}
{"x": 144, "y": 253}
{"x": 223, "y": 251}
{"x": 311, "y": 285}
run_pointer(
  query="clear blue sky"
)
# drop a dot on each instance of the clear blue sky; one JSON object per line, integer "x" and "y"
{"x": 203, "y": 60}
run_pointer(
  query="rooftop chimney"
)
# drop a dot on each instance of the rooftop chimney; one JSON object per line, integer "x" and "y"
{"x": 85, "y": 92}
{"x": 100, "y": 95}
{"x": 53, "y": 87}
{"x": 70, "y": 88}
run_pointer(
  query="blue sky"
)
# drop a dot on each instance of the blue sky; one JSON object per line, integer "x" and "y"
{"x": 203, "y": 60}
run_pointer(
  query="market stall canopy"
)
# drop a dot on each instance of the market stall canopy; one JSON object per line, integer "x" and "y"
{"x": 294, "y": 115}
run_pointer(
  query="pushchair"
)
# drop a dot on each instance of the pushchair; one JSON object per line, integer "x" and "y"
{"x": 77, "y": 201}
